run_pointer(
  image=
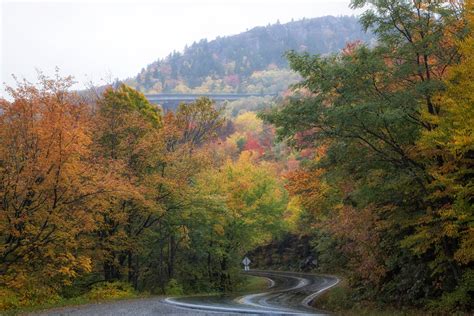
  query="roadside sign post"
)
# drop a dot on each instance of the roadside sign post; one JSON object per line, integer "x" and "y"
{"x": 246, "y": 263}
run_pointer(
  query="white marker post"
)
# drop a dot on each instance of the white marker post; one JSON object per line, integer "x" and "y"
{"x": 246, "y": 263}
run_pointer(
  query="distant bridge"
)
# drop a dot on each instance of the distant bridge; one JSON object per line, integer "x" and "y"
{"x": 169, "y": 101}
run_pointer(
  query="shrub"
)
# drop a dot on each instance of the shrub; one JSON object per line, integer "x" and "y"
{"x": 459, "y": 299}
{"x": 174, "y": 288}
{"x": 8, "y": 299}
{"x": 111, "y": 290}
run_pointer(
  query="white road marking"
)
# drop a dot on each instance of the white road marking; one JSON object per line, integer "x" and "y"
{"x": 258, "y": 304}
{"x": 171, "y": 301}
{"x": 307, "y": 300}
{"x": 247, "y": 299}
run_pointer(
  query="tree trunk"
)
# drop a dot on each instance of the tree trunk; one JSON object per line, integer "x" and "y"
{"x": 171, "y": 256}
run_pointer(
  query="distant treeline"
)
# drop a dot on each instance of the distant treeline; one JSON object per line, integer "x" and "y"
{"x": 230, "y": 63}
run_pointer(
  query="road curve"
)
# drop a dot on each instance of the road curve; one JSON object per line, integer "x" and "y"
{"x": 289, "y": 293}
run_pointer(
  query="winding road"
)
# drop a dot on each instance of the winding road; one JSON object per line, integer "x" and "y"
{"x": 289, "y": 293}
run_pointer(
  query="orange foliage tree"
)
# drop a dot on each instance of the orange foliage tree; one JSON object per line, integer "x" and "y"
{"x": 47, "y": 179}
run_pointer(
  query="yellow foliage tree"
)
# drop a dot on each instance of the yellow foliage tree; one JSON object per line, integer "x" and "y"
{"x": 451, "y": 223}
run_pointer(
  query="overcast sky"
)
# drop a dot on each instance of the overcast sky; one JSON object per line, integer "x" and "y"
{"x": 94, "y": 40}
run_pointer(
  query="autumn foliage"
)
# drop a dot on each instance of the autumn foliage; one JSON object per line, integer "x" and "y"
{"x": 390, "y": 199}
{"x": 109, "y": 196}
{"x": 370, "y": 158}
{"x": 48, "y": 176}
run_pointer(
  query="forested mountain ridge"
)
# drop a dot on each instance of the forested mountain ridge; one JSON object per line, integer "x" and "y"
{"x": 364, "y": 169}
{"x": 235, "y": 63}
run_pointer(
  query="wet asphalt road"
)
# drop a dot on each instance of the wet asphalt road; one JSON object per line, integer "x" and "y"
{"x": 288, "y": 294}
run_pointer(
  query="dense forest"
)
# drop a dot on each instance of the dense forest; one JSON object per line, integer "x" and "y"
{"x": 364, "y": 169}
{"x": 252, "y": 61}
{"x": 387, "y": 185}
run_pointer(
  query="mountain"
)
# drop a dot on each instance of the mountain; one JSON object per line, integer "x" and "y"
{"x": 252, "y": 61}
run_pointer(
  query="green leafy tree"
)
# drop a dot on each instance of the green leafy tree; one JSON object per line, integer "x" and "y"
{"x": 247, "y": 207}
{"x": 367, "y": 106}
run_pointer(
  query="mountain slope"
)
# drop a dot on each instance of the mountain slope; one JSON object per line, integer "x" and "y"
{"x": 227, "y": 64}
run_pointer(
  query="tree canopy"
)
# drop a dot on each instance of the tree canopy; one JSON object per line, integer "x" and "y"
{"x": 376, "y": 119}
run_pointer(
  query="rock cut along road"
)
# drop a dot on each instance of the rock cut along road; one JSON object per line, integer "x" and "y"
{"x": 289, "y": 293}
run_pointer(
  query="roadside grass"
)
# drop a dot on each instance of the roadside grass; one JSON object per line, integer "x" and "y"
{"x": 252, "y": 284}
{"x": 338, "y": 301}
{"x": 246, "y": 284}
{"x": 105, "y": 292}
{"x": 64, "y": 302}
{"x": 118, "y": 291}
{"x": 44, "y": 306}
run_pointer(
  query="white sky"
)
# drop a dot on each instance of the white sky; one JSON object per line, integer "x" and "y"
{"x": 95, "y": 40}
